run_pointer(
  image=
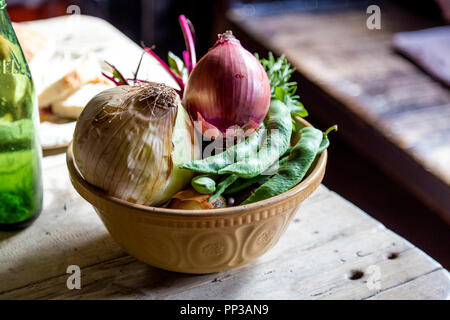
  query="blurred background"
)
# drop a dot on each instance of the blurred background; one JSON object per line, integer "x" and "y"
{"x": 385, "y": 83}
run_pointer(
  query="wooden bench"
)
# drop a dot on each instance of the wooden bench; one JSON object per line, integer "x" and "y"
{"x": 385, "y": 106}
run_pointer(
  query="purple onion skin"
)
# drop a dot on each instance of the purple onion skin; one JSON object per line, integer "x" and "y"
{"x": 228, "y": 88}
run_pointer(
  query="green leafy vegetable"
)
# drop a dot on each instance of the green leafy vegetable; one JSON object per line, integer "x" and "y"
{"x": 177, "y": 66}
{"x": 116, "y": 75}
{"x": 275, "y": 144}
{"x": 279, "y": 72}
{"x": 223, "y": 185}
{"x": 203, "y": 184}
{"x": 294, "y": 169}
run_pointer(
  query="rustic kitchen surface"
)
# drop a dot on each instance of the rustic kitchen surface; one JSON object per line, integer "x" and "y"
{"x": 387, "y": 108}
{"x": 331, "y": 249}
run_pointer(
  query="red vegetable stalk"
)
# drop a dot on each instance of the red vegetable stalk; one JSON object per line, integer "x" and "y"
{"x": 176, "y": 77}
{"x": 189, "y": 58}
{"x": 189, "y": 34}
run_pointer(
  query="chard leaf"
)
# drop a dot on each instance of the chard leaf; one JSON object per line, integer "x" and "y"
{"x": 279, "y": 71}
{"x": 177, "y": 66}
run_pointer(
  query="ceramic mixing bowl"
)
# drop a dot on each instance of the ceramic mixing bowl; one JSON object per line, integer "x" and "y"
{"x": 198, "y": 241}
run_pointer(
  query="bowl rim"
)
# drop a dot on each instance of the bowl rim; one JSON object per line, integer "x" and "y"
{"x": 103, "y": 196}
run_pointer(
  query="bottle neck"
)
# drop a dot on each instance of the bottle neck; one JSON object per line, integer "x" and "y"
{"x": 2, "y": 4}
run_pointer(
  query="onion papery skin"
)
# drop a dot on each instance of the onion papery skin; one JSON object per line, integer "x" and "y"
{"x": 190, "y": 199}
{"x": 227, "y": 89}
{"x": 131, "y": 145}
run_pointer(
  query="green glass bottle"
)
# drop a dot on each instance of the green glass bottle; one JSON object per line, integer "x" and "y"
{"x": 20, "y": 151}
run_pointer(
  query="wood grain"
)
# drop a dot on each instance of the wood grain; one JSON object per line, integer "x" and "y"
{"x": 67, "y": 232}
{"x": 328, "y": 240}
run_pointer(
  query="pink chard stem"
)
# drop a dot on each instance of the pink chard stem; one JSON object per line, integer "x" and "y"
{"x": 187, "y": 61}
{"x": 176, "y": 77}
{"x": 116, "y": 73}
{"x": 117, "y": 83}
{"x": 189, "y": 39}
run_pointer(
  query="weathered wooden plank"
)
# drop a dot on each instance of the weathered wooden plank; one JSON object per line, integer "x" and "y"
{"x": 67, "y": 232}
{"x": 431, "y": 285}
{"x": 320, "y": 276}
{"x": 305, "y": 273}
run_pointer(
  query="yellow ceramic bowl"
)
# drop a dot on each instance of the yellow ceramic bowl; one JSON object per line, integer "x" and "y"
{"x": 197, "y": 241}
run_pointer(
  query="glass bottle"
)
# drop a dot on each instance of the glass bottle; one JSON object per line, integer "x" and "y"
{"x": 20, "y": 151}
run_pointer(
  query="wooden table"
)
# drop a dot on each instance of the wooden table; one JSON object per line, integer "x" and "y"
{"x": 385, "y": 106}
{"x": 329, "y": 243}
{"x": 331, "y": 250}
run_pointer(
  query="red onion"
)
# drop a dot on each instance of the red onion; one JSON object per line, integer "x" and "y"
{"x": 227, "y": 89}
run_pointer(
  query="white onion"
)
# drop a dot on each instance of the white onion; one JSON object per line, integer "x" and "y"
{"x": 131, "y": 140}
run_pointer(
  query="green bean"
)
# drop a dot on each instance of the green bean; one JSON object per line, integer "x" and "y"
{"x": 325, "y": 141}
{"x": 287, "y": 152}
{"x": 239, "y": 151}
{"x": 203, "y": 184}
{"x": 324, "y": 144}
{"x": 295, "y": 168}
{"x": 243, "y": 183}
{"x": 225, "y": 183}
{"x": 273, "y": 147}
